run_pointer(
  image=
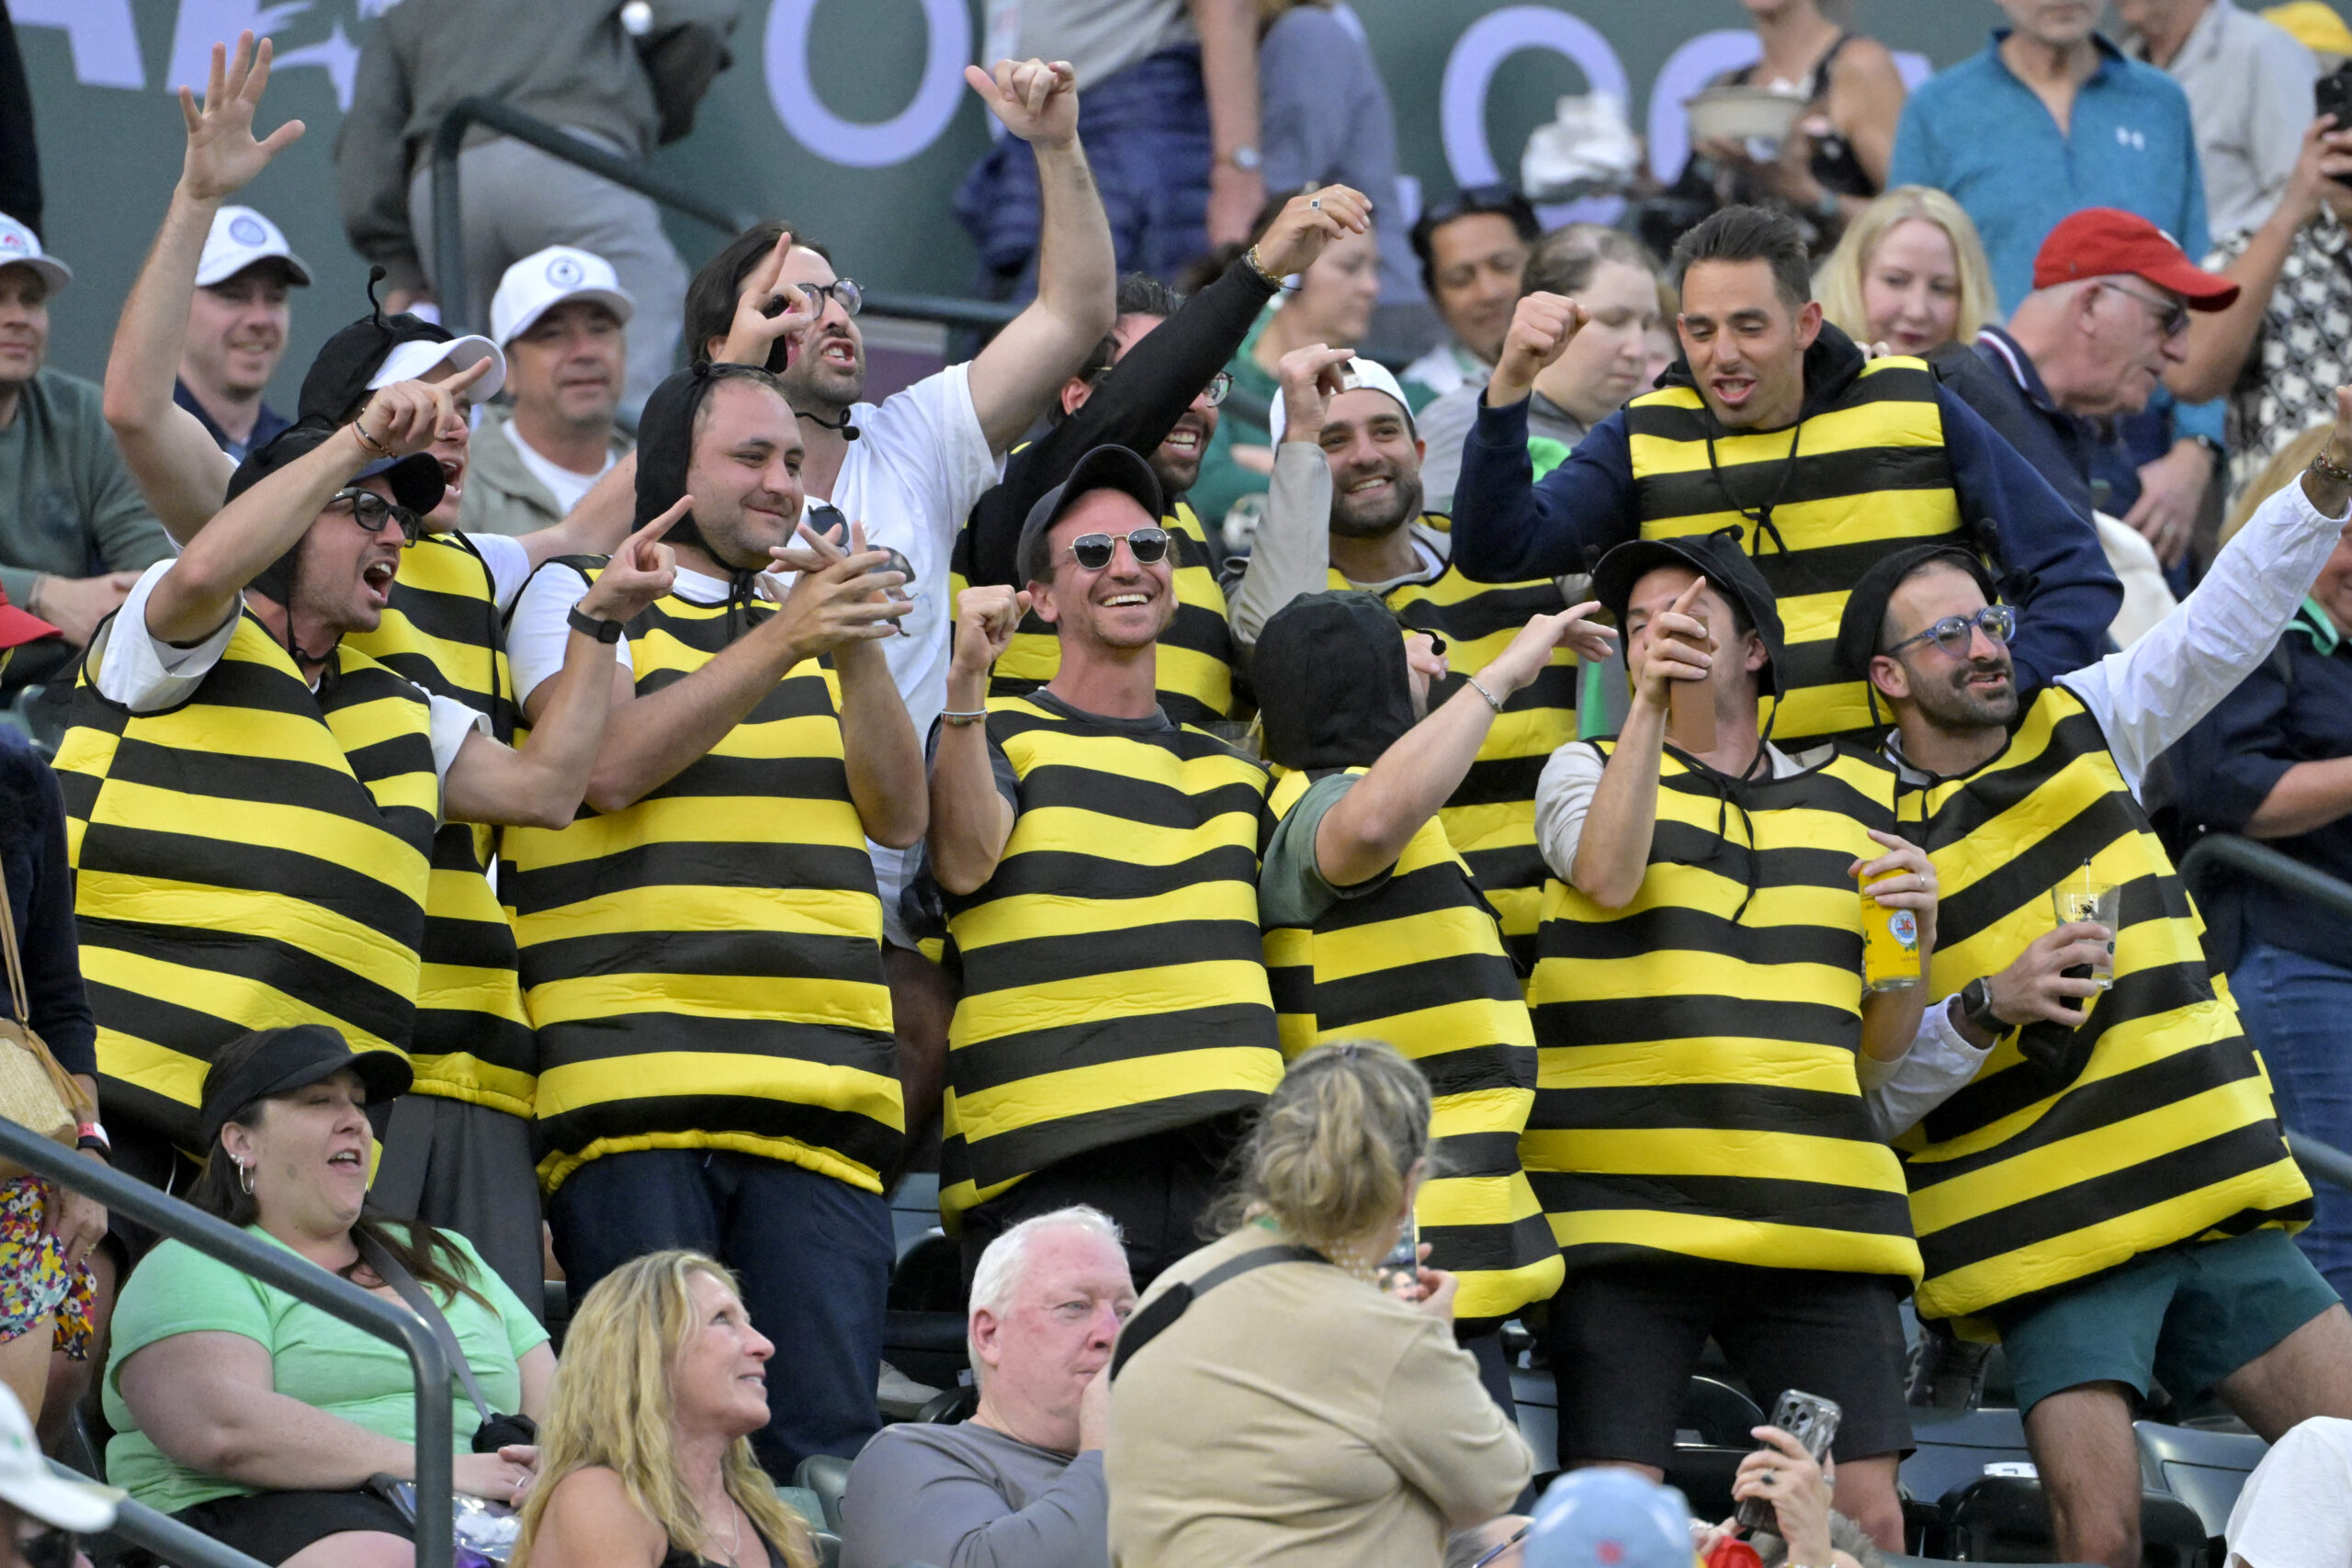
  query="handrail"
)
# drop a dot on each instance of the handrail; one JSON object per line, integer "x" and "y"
{"x": 2321, "y": 1161}
{"x": 303, "y": 1281}
{"x": 175, "y": 1543}
{"x": 2216, "y": 850}
{"x": 448, "y": 214}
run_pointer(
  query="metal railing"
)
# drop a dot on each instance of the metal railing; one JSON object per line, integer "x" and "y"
{"x": 305, "y": 1282}
{"x": 448, "y": 215}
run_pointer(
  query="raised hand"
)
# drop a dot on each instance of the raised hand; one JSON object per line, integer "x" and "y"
{"x": 1529, "y": 652}
{"x": 222, "y": 156}
{"x": 639, "y": 572}
{"x": 839, "y": 597}
{"x": 1037, "y": 101}
{"x": 1540, "y": 329}
{"x": 1913, "y": 888}
{"x": 1309, "y": 221}
{"x": 1681, "y": 649}
{"x": 986, "y": 617}
{"x": 767, "y": 309}
{"x": 409, "y": 416}
{"x": 2331, "y": 494}
{"x": 1311, "y": 377}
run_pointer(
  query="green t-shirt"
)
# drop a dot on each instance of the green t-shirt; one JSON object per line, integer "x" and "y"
{"x": 68, "y": 503}
{"x": 1240, "y": 422}
{"x": 319, "y": 1360}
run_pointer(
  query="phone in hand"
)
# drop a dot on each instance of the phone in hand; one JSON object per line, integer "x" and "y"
{"x": 1402, "y": 1266}
{"x": 1812, "y": 1422}
{"x": 2331, "y": 94}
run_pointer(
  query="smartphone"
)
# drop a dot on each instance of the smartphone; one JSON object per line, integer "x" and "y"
{"x": 2331, "y": 94}
{"x": 1403, "y": 1264}
{"x": 1812, "y": 1422}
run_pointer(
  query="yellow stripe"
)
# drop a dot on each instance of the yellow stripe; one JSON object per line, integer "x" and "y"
{"x": 1028, "y": 916}
{"x": 1079, "y": 1092}
{"x": 833, "y": 1004}
{"x": 1097, "y": 998}
{"x": 1717, "y": 1059}
{"x": 692, "y": 819}
{"x": 1762, "y": 1243}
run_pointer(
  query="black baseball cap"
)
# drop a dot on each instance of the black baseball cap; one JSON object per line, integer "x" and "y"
{"x": 283, "y": 1060}
{"x": 1104, "y": 468}
{"x": 1717, "y": 557}
{"x": 1865, "y": 613}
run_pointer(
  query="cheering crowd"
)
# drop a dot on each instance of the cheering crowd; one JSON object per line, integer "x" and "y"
{"x": 1659, "y": 822}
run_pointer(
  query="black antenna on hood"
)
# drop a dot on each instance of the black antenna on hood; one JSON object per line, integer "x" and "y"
{"x": 376, "y": 276}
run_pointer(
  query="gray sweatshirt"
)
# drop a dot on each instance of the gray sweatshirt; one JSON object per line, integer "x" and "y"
{"x": 969, "y": 1497}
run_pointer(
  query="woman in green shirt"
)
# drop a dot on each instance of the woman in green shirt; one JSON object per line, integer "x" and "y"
{"x": 258, "y": 1419}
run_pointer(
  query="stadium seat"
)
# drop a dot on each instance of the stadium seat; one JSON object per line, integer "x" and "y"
{"x": 2204, "y": 1469}
{"x": 825, "y": 1477}
{"x": 2004, "y": 1518}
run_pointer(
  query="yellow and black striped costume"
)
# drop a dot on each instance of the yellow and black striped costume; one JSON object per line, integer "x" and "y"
{"x": 443, "y": 630}
{"x": 1697, "y": 1090}
{"x": 2027, "y": 1180}
{"x": 705, "y": 968}
{"x": 1115, "y": 986}
{"x": 1420, "y": 964}
{"x": 1869, "y": 478}
{"x": 1490, "y": 820}
{"x": 253, "y": 857}
{"x": 1195, "y": 653}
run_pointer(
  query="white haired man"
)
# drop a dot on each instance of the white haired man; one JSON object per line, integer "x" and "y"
{"x": 1021, "y": 1482}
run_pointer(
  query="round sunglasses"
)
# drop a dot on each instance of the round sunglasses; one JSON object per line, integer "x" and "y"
{"x": 1094, "y": 551}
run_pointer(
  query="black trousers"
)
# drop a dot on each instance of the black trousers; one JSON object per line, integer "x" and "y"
{"x": 1157, "y": 1188}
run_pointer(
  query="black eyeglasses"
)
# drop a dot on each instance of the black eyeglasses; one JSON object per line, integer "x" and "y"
{"x": 2171, "y": 315}
{"x": 1952, "y": 633}
{"x": 51, "y": 1548}
{"x": 371, "y": 512}
{"x": 1094, "y": 551}
{"x": 841, "y": 292}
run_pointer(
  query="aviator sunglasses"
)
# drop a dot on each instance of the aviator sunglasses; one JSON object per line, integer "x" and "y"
{"x": 1094, "y": 551}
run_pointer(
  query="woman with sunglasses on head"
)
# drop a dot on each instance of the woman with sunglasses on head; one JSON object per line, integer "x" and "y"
{"x": 259, "y": 1420}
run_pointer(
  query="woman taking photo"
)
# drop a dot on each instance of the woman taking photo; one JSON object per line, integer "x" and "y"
{"x": 1910, "y": 273}
{"x": 647, "y": 1453}
{"x": 258, "y": 1419}
{"x": 1362, "y": 1434}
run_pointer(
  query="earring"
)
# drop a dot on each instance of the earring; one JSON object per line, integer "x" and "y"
{"x": 244, "y": 1177}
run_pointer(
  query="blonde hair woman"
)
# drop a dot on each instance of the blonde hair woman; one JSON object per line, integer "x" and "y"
{"x": 646, "y": 1457}
{"x": 1269, "y": 1401}
{"x": 1910, "y": 272}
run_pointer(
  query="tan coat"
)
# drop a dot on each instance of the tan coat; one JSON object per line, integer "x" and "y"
{"x": 1296, "y": 1417}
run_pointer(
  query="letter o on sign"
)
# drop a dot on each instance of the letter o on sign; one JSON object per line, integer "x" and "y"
{"x": 857, "y": 144}
{"x": 1480, "y": 52}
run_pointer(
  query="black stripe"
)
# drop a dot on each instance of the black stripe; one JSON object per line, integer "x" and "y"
{"x": 1099, "y": 878}
{"x": 2029, "y": 875}
{"x": 1831, "y": 569}
{"x": 624, "y": 1035}
{"x": 499, "y": 1042}
{"x": 1028, "y": 962}
{"x": 1963, "y": 808}
{"x": 1008, "y": 724}
{"x": 289, "y": 874}
{"x": 1511, "y": 865}
{"x": 1684, "y": 1016}
{"x": 1498, "y": 781}
{"x": 858, "y": 1137}
{"x": 783, "y": 780}
{"x": 1438, "y": 886}
{"x": 227, "y": 777}
{"x": 1681, "y": 929}
{"x": 1493, "y": 608}
{"x": 1705, "y": 1107}
{"x": 461, "y": 942}
{"x": 251, "y": 956}
{"x": 1095, "y": 1043}
{"x": 1736, "y": 1199}
{"x": 1147, "y": 802}
{"x": 792, "y": 958}
{"x": 1489, "y": 1249}
{"x": 1888, "y": 384}
{"x": 1474, "y": 1153}
{"x": 690, "y": 863}
{"x": 1022, "y": 1150}
{"x": 1362, "y": 1001}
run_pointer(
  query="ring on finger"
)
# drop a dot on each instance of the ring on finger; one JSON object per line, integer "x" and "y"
{"x": 1315, "y": 203}
{"x": 1769, "y": 1476}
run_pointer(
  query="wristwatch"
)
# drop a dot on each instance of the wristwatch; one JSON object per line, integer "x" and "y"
{"x": 1976, "y": 1006}
{"x": 587, "y": 625}
{"x": 1245, "y": 157}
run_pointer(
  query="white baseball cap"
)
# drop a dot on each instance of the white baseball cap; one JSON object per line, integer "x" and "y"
{"x": 19, "y": 246}
{"x": 1369, "y": 374}
{"x": 414, "y": 358}
{"x": 27, "y": 1484}
{"x": 241, "y": 237}
{"x": 544, "y": 280}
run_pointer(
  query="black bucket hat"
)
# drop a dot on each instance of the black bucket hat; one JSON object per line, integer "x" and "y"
{"x": 290, "y": 1058}
{"x": 1716, "y": 556}
{"x": 1865, "y": 613}
{"x": 1333, "y": 687}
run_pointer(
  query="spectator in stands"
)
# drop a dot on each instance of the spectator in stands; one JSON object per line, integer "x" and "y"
{"x": 1797, "y": 1277}
{"x": 1908, "y": 273}
{"x": 1171, "y": 114}
{"x": 74, "y": 533}
{"x": 50, "y": 1235}
{"x": 1020, "y": 1484}
{"x": 41, "y": 1512}
{"x": 1473, "y": 252}
{"x": 237, "y": 320}
{"x": 2296, "y": 1508}
{"x": 2249, "y": 87}
{"x": 1346, "y": 513}
{"x": 2093, "y": 1275}
{"x": 1609, "y": 1518}
{"x": 557, "y": 316}
{"x": 1836, "y": 159}
{"x": 1805, "y": 1528}
{"x": 1167, "y": 1003}
{"x": 924, "y": 457}
{"x": 1377, "y": 929}
{"x": 1758, "y": 358}
{"x": 2273, "y": 762}
{"x": 623, "y": 88}
{"x": 1614, "y": 280}
{"x": 646, "y": 1459}
{"x": 1331, "y": 304}
{"x": 734, "y": 1092}
{"x": 2050, "y": 118}
{"x": 257, "y": 1418}
{"x": 1369, "y": 1436}
{"x": 1325, "y": 119}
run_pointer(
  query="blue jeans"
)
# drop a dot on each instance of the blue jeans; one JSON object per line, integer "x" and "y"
{"x": 814, "y": 1256}
{"x": 2297, "y": 1012}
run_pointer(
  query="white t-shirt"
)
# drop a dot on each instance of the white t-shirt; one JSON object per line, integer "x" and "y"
{"x": 537, "y": 634}
{"x": 146, "y": 674}
{"x": 509, "y": 563}
{"x": 562, "y": 483}
{"x": 2296, "y": 1509}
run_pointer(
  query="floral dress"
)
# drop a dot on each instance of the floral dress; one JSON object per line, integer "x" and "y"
{"x": 35, "y": 1278}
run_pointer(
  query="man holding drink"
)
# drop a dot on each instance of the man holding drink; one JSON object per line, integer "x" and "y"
{"x": 1700, "y": 1138}
{"x": 2111, "y": 1193}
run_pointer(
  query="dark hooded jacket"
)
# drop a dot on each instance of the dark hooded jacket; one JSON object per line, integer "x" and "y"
{"x": 1338, "y": 692}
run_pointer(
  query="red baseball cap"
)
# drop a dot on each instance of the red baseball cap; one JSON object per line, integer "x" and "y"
{"x": 2100, "y": 242}
{"x": 21, "y": 627}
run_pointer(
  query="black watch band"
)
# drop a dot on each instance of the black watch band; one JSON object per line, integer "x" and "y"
{"x": 1976, "y": 1004}
{"x": 589, "y": 625}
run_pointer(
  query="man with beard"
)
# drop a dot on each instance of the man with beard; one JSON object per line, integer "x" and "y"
{"x": 703, "y": 948}
{"x": 1168, "y": 353}
{"x": 1773, "y": 422}
{"x": 2111, "y": 1193}
{"x": 1345, "y": 511}
{"x": 1099, "y": 862}
{"x": 237, "y": 330}
{"x": 257, "y": 798}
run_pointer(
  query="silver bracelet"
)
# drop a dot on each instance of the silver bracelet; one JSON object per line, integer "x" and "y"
{"x": 962, "y": 718}
{"x": 1493, "y": 701}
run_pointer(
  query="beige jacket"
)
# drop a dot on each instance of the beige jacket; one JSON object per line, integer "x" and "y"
{"x": 502, "y": 496}
{"x": 1296, "y": 1417}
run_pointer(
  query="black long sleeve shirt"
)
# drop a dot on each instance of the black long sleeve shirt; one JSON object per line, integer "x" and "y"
{"x": 40, "y": 905}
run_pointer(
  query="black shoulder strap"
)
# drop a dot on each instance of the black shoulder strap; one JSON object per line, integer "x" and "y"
{"x": 390, "y": 1270}
{"x": 1171, "y": 1303}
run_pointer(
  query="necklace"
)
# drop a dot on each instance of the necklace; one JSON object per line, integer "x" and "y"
{"x": 734, "y": 1532}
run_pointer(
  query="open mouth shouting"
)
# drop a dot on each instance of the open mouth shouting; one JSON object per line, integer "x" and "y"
{"x": 377, "y": 578}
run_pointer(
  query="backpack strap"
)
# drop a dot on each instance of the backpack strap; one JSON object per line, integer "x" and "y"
{"x": 1171, "y": 1303}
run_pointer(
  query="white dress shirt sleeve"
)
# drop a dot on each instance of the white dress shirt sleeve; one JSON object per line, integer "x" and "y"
{"x": 1940, "y": 1065}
